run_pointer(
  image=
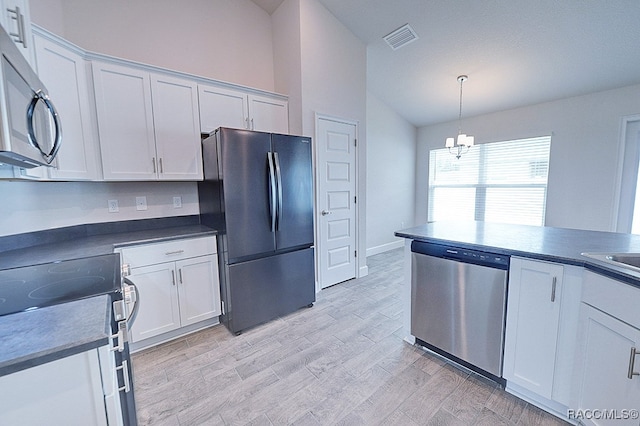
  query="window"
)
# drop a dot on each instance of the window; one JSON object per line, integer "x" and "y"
{"x": 495, "y": 182}
{"x": 628, "y": 191}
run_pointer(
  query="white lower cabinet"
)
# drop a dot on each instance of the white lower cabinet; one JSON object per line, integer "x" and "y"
{"x": 607, "y": 390}
{"x": 198, "y": 298}
{"x": 178, "y": 287}
{"x": 533, "y": 315}
{"x": 76, "y": 390}
{"x": 158, "y": 310}
{"x": 542, "y": 316}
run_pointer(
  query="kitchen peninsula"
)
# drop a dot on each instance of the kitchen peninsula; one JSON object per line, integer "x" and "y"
{"x": 572, "y": 326}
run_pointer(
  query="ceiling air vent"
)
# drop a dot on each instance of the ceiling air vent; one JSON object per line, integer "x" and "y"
{"x": 401, "y": 37}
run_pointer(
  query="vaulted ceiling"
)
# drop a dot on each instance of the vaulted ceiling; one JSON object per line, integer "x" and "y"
{"x": 515, "y": 52}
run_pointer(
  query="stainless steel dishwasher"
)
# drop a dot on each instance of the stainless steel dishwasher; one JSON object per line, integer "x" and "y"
{"x": 458, "y": 305}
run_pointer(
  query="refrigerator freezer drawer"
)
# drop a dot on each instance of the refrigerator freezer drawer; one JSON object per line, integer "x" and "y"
{"x": 263, "y": 289}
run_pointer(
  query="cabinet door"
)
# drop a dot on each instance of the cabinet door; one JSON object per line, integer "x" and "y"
{"x": 198, "y": 289}
{"x": 65, "y": 75}
{"x": 268, "y": 114}
{"x": 221, "y": 107}
{"x": 603, "y": 381}
{"x": 125, "y": 122}
{"x": 533, "y": 316}
{"x": 158, "y": 310}
{"x": 67, "y": 391}
{"x": 177, "y": 128}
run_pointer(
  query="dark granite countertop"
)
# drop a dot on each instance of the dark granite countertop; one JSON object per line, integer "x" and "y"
{"x": 543, "y": 243}
{"x": 42, "y": 335}
{"x": 92, "y": 240}
{"x": 36, "y": 337}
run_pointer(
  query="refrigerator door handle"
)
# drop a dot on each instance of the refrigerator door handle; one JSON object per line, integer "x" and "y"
{"x": 272, "y": 192}
{"x": 279, "y": 182}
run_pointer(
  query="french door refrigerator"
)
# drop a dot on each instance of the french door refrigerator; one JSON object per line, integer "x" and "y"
{"x": 258, "y": 193}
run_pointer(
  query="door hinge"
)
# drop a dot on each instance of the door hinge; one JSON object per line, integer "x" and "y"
{"x": 355, "y": 142}
{"x": 222, "y": 306}
{"x": 355, "y": 198}
{"x": 355, "y": 253}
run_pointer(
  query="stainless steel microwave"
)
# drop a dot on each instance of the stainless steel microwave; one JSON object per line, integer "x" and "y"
{"x": 30, "y": 131}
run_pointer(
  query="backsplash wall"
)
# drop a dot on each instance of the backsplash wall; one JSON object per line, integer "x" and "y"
{"x": 36, "y": 206}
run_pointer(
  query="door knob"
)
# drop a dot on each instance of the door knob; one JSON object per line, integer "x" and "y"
{"x": 324, "y": 213}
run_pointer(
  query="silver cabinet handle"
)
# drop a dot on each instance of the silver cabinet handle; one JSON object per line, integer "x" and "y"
{"x": 173, "y": 277}
{"x": 20, "y": 36}
{"x": 161, "y": 168}
{"x": 632, "y": 361}
{"x": 153, "y": 160}
{"x": 169, "y": 253}
{"x": 180, "y": 275}
{"x": 553, "y": 289}
{"x": 252, "y": 126}
{"x": 325, "y": 212}
{"x": 125, "y": 376}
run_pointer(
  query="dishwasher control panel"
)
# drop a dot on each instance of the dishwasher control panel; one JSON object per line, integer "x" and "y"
{"x": 478, "y": 257}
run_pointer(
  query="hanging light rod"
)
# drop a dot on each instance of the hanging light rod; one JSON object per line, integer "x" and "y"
{"x": 462, "y": 142}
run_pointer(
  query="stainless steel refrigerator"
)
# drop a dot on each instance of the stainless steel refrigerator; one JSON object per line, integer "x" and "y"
{"x": 258, "y": 192}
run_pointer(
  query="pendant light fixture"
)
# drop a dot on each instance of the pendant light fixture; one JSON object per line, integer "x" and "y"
{"x": 461, "y": 144}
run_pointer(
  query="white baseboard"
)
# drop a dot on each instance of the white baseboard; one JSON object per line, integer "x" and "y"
{"x": 385, "y": 247}
{"x": 363, "y": 272}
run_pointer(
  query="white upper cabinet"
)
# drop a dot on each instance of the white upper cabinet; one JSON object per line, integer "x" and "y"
{"x": 125, "y": 122}
{"x": 16, "y": 20}
{"x": 223, "y": 107}
{"x": 65, "y": 74}
{"x": 148, "y": 124}
{"x": 268, "y": 114}
{"x": 177, "y": 128}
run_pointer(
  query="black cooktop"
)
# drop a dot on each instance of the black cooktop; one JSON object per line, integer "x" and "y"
{"x": 37, "y": 286}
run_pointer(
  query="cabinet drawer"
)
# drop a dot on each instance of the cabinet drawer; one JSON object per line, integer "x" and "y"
{"x": 613, "y": 297}
{"x": 151, "y": 254}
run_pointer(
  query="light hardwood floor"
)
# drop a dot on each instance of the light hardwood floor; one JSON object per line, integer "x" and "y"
{"x": 340, "y": 362}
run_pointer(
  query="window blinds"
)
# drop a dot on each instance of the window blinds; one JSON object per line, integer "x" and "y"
{"x": 495, "y": 182}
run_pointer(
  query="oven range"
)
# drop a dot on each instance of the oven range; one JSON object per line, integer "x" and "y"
{"x": 28, "y": 288}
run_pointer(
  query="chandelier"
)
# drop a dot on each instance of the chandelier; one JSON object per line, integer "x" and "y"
{"x": 459, "y": 145}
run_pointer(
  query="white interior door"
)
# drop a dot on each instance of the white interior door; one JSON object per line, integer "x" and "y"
{"x": 336, "y": 178}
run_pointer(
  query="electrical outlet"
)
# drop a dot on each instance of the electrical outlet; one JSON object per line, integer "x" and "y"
{"x": 177, "y": 202}
{"x": 113, "y": 206}
{"x": 141, "y": 203}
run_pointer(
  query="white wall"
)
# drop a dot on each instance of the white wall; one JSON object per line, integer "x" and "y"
{"x": 391, "y": 159}
{"x": 334, "y": 70}
{"x": 583, "y": 166}
{"x": 287, "y": 59}
{"x": 35, "y": 206}
{"x": 228, "y": 40}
